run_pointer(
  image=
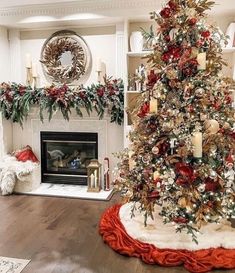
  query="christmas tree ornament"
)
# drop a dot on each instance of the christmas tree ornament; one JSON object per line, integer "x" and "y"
{"x": 212, "y": 126}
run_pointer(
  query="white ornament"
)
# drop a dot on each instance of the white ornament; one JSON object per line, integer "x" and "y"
{"x": 201, "y": 188}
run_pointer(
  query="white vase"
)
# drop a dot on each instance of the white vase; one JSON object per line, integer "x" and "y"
{"x": 231, "y": 33}
{"x": 136, "y": 41}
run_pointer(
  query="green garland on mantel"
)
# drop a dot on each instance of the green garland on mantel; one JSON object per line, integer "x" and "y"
{"x": 16, "y": 100}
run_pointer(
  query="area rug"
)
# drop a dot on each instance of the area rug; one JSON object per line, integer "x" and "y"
{"x": 12, "y": 265}
{"x": 112, "y": 229}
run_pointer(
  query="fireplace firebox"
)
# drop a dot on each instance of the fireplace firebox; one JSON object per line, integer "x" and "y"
{"x": 66, "y": 155}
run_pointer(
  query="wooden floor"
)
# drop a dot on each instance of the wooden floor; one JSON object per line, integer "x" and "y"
{"x": 60, "y": 235}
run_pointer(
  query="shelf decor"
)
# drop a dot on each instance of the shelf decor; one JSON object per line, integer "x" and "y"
{"x": 16, "y": 100}
{"x": 136, "y": 41}
{"x": 230, "y": 32}
{"x": 66, "y": 58}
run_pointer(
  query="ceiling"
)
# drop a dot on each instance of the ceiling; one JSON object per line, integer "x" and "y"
{"x": 53, "y": 13}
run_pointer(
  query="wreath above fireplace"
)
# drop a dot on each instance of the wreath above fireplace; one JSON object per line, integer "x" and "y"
{"x": 66, "y": 58}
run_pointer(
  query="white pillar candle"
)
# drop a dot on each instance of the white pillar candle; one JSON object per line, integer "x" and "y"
{"x": 131, "y": 161}
{"x": 153, "y": 107}
{"x": 95, "y": 179}
{"x": 201, "y": 59}
{"x": 34, "y": 70}
{"x": 99, "y": 65}
{"x": 92, "y": 180}
{"x": 28, "y": 62}
{"x": 197, "y": 144}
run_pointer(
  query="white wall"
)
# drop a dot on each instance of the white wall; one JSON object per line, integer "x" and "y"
{"x": 5, "y": 126}
{"x": 101, "y": 41}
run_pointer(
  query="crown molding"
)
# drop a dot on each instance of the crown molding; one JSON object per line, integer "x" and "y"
{"x": 77, "y": 7}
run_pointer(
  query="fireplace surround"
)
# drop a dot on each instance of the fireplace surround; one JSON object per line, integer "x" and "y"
{"x": 66, "y": 155}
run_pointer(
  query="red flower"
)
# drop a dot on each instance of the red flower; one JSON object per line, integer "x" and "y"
{"x": 166, "y": 56}
{"x": 100, "y": 91}
{"x": 144, "y": 110}
{"x": 22, "y": 90}
{"x": 186, "y": 174}
{"x": 232, "y": 135}
{"x": 9, "y": 96}
{"x": 167, "y": 38}
{"x": 212, "y": 185}
{"x": 205, "y": 34}
{"x": 172, "y": 5}
{"x": 180, "y": 220}
{"x": 152, "y": 78}
{"x": 153, "y": 195}
{"x": 82, "y": 95}
{"x": 165, "y": 13}
{"x": 192, "y": 21}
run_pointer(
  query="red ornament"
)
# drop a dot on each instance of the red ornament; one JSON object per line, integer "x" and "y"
{"x": 144, "y": 110}
{"x": 165, "y": 13}
{"x": 26, "y": 154}
{"x": 205, "y": 34}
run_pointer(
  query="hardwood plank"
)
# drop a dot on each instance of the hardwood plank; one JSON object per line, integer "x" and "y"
{"x": 60, "y": 235}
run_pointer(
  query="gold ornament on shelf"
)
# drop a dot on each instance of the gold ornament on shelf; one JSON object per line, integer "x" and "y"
{"x": 93, "y": 176}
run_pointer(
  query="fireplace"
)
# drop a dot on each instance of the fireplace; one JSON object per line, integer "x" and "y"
{"x": 65, "y": 156}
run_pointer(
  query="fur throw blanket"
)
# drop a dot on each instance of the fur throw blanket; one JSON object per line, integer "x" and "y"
{"x": 12, "y": 170}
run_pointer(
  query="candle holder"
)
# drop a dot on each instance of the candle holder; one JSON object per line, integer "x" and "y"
{"x": 93, "y": 176}
{"x": 29, "y": 78}
{"x": 34, "y": 83}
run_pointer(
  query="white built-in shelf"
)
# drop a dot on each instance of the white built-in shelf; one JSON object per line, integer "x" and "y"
{"x": 228, "y": 50}
{"x": 139, "y": 54}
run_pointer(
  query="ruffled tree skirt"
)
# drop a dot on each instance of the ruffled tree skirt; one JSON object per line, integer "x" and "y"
{"x": 159, "y": 244}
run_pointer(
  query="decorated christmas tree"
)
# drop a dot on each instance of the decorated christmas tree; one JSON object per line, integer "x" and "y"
{"x": 181, "y": 155}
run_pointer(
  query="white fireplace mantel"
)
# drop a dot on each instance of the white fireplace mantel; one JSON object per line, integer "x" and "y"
{"x": 13, "y": 136}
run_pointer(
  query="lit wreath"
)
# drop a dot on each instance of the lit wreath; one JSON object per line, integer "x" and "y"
{"x": 53, "y": 49}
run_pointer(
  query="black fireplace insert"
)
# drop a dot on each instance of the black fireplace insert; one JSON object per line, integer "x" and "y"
{"x": 66, "y": 155}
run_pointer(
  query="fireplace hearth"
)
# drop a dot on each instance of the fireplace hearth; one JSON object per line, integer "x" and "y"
{"x": 66, "y": 155}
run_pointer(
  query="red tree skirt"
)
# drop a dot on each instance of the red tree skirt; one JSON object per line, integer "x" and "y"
{"x": 115, "y": 235}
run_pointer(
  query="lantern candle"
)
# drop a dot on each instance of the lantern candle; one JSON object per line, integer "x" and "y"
{"x": 153, "y": 106}
{"x": 28, "y": 63}
{"x": 201, "y": 59}
{"x": 197, "y": 143}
